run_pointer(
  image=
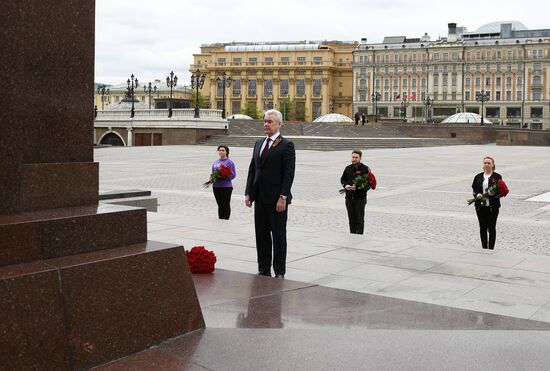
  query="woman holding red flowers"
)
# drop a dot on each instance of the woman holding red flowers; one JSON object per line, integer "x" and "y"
{"x": 222, "y": 186}
{"x": 488, "y": 187}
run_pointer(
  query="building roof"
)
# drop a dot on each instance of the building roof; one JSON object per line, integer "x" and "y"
{"x": 496, "y": 26}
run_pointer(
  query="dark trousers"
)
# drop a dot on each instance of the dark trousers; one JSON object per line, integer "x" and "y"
{"x": 223, "y": 199}
{"x": 270, "y": 229}
{"x": 356, "y": 214}
{"x": 487, "y": 217}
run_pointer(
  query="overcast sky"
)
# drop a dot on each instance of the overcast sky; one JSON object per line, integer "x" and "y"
{"x": 151, "y": 38}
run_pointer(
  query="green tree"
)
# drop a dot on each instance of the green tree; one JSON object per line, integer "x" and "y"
{"x": 202, "y": 101}
{"x": 251, "y": 110}
{"x": 285, "y": 107}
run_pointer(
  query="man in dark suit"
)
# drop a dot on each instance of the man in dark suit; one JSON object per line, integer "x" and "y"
{"x": 270, "y": 177}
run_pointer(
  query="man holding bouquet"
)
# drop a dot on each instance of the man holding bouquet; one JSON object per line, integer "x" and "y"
{"x": 488, "y": 187}
{"x": 357, "y": 179}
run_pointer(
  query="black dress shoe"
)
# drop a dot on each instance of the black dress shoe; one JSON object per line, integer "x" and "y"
{"x": 280, "y": 276}
{"x": 264, "y": 274}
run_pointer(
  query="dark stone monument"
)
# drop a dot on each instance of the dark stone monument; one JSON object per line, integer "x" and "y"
{"x": 80, "y": 284}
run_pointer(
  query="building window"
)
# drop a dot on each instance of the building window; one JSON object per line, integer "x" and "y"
{"x": 316, "y": 109}
{"x": 510, "y": 55}
{"x": 236, "y": 88}
{"x": 436, "y": 56}
{"x": 363, "y": 96}
{"x": 536, "y": 95}
{"x": 317, "y": 84}
{"x": 445, "y": 56}
{"x": 268, "y": 60}
{"x": 268, "y": 88}
{"x": 498, "y": 54}
{"x": 497, "y": 96}
{"x": 221, "y": 60}
{"x": 235, "y": 107}
{"x": 536, "y": 112}
{"x": 469, "y": 56}
{"x": 444, "y": 96}
{"x": 219, "y": 90}
{"x": 237, "y": 61}
{"x": 252, "y": 61}
{"x": 386, "y": 96}
{"x": 467, "y": 82}
{"x": 285, "y": 60}
{"x": 300, "y": 87}
{"x": 508, "y": 95}
{"x": 283, "y": 85}
{"x": 317, "y": 60}
{"x": 301, "y": 60}
{"x": 519, "y": 95}
{"x": 251, "y": 88}
{"x": 467, "y": 95}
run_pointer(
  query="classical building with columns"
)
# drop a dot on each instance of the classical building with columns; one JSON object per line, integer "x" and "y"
{"x": 500, "y": 71}
{"x": 315, "y": 74}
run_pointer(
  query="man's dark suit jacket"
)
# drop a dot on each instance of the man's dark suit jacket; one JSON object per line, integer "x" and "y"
{"x": 272, "y": 177}
{"x": 477, "y": 187}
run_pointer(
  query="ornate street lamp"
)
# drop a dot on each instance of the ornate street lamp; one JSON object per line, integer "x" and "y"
{"x": 171, "y": 82}
{"x": 482, "y": 97}
{"x": 428, "y": 103}
{"x": 132, "y": 85}
{"x": 197, "y": 82}
{"x": 103, "y": 90}
{"x": 375, "y": 98}
{"x": 148, "y": 90}
{"x": 225, "y": 82}
{"x": 404, "y": 105}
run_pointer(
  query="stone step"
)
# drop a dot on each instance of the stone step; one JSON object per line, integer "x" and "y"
{"x": 334, "y": 144}
{"x": 54, "y": 233}
{"x": 80, "y": 311}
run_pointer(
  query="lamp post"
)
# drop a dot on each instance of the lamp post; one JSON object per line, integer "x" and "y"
{"x": 226, "y": 82}
{"x": 103, "y": 90}
{"x": 171, "y": 82}
{"x": 428, "y": 103}
{"x": 197, "y": 82}
{"x": 132, "y": 85}
{"x": 482, "y": 97}
{"x": 375, "y": 98}
{"x": 404, "y": 105}
{"x": 148, "y": 90}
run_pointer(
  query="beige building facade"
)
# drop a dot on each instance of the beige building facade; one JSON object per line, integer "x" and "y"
{"x": 315, "y": 74}
{"x": 422, "y": 80}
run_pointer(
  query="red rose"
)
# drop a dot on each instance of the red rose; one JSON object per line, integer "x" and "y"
{"x": 502, "y": 188}
{"x": 200, "y": 260}
{"x": 372, "y": 180}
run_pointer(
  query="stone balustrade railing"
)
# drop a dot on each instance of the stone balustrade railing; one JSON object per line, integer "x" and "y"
{"x": 177, "y": 114}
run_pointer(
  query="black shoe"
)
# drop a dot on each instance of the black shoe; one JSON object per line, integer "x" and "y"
{"x": 264, "y": 274}
{"x": 280, "y": 276}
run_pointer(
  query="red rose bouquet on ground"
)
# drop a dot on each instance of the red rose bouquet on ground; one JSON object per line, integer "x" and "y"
{"x": 364, "y": 181}
{"x": 200, "y": 260}
{"x": 223, "y": 172}
{"x": 497, "y": 189}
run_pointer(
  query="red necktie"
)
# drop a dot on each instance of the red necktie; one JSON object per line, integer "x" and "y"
{"x": 266, "y": 148}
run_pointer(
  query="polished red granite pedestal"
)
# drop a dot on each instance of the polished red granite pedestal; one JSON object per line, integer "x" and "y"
{"x": 79, "y": 283}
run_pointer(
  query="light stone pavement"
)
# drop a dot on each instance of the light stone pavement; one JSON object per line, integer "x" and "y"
{"x": 422, "y": 241}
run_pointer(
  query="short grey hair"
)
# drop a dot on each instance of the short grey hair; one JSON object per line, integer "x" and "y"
{"x": 275, "y": 113}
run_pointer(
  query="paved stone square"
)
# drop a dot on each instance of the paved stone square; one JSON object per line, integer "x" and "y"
{"x": 421, "y": 242}
{"x": 421, "y": 196}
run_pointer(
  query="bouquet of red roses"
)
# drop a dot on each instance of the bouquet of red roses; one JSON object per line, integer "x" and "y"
{"x": 497, "y": 189}
{"x": 223, "y": 172}
{"x": 365, "y": 181}
{"x": 200, "y": 260}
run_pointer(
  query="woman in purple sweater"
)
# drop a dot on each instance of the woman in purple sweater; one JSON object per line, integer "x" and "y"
{"x": 223, "y": 187}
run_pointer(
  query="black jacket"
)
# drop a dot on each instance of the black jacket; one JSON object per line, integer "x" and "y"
{"x": 477, "y": 187}
{"x": 350, "y": 173}
{"x": 273, "y": 177}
